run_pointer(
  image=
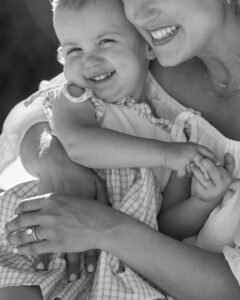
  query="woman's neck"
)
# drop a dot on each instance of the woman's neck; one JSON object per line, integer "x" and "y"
{"x": 222, "y": 59}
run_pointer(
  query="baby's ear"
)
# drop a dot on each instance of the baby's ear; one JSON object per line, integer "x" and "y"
{"x": 149, "y": 52}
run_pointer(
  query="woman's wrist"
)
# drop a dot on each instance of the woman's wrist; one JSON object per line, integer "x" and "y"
{"x": 111, "y": 230}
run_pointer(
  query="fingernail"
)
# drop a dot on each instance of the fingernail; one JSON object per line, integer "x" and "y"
{"x": 40, "y": 266}
{"x": 90, "y": 268}
{"x": 73, "y": 277}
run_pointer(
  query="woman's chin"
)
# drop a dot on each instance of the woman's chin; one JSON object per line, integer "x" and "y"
{"x": 167, "y": 60}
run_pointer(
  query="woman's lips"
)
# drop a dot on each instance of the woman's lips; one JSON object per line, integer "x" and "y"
{"x": 163, "y": 35}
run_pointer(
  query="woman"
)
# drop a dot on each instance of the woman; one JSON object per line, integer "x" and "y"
{"x": 196, "y": 42}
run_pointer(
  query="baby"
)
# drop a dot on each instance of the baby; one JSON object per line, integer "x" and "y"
{"x": 102, "y": 115}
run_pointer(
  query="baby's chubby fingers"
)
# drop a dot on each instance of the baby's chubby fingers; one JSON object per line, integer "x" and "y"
{"x": 199, "y": 176}
{"x": 198, "y": 161}
{"x": 229, "y": 163}
{"x": 213, "y": 171}
{"x": 208, "y": 154}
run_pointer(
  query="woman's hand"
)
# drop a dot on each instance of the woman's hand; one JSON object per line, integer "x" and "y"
{"x": 62, "y": 223}
{"x": 58, "y": 174}
{"x": 181, "y": 155}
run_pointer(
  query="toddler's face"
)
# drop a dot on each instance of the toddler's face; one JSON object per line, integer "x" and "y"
{"x": 102, "y": 50}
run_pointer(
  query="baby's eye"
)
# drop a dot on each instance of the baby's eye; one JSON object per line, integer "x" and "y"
{"x": 106, "y": 41}
{"x": 73, "y": 52}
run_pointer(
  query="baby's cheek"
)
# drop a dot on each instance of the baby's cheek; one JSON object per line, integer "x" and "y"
{"x": 73, "y": 73}
{"x": 69, "y": 71}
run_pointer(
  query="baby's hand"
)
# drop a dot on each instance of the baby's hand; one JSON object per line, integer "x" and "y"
{"x": 181, "y": 155}
{"x": 213, "y": 189}
{"x": 74, "y": 90}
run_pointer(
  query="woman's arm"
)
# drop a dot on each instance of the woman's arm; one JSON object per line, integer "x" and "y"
{"x": 183, "y": 271}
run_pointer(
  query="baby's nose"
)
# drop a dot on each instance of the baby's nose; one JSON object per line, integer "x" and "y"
{"x": 91, "y": 61}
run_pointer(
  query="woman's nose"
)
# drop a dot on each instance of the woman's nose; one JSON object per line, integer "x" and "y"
{"x": 140, "y": 12}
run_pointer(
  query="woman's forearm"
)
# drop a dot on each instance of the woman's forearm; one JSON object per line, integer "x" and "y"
{"x": 183, "y": 271}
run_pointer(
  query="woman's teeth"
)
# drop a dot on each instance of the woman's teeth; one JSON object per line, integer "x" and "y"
{"x": 164, "y": 33}
{"x": 102, "y": 76}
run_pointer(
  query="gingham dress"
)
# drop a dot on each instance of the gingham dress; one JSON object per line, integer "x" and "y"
{"x": 135, "y": 191}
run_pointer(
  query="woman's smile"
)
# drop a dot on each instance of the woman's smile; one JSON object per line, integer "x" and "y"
{"x": 163, "y": 35}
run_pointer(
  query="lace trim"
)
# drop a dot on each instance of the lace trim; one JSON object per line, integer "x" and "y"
{"x": 142, "y": 109}
{"x": 179, "y": 132}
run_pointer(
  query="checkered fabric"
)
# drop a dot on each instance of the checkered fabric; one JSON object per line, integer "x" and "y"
{"x": 133, "y": 191}
{"x": 17, "y": 270}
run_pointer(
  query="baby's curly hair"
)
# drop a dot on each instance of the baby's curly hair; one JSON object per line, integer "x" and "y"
{"x": 71, "y": 4}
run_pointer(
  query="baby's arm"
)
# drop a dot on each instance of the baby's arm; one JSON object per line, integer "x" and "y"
{"x": 95, "y": 147}
{"x": 184, "y": 218}
{"x": 177, "y": 216}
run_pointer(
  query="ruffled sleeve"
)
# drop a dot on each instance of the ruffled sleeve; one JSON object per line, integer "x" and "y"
{"x": 20, "y": 119}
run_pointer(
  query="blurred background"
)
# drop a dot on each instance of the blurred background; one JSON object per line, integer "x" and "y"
{"x": 28, "y": 50}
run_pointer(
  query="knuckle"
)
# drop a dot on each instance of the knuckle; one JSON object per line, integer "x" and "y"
{"x": 19, "y": 239}
{"x": 30, "y": 250}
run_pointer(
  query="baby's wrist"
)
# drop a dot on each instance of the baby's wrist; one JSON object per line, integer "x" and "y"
{"x": 168, "y": 155}
{"x": 212, "y": 202}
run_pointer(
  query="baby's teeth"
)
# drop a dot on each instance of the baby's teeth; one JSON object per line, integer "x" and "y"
{"x": 102, "y": 76}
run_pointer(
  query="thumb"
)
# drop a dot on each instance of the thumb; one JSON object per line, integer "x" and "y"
{"x": 229, "y": 163}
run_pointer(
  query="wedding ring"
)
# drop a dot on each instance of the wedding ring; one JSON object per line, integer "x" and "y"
{"x": 32, "y": 233}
